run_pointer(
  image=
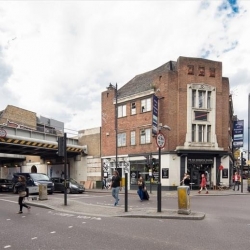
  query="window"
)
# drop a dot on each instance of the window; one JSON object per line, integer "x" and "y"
{"x": 193, "y": 98}
{"x": 201, "y": 71}
{"x": 209, "y": 133}
{"x": 201, "y": 98}
{"x": 200, "y": 116}
{"x": 146, "y": 105}
{"x": 212, "y": 72}
{"x": 209, "y": 99}
{"x": 121, "y": 140}
{"x": 133, "y": 108}
{"x": 132, "y": 138}
{"x": 193, "y": 132}
{"x": 190, "y": 69}
{"x": 121, "y": 111}
{"x": 201, "y": 133}
{"x": 145, "y": 136}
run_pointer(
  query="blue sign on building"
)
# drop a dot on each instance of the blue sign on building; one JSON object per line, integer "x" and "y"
{"x": 238, "y": 134}
{"x": 155, "y": 115}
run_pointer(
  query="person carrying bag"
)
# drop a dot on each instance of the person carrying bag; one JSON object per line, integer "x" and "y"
{"x": 21, "y": 189}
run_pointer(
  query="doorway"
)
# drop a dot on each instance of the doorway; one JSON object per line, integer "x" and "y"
{"x": 196, "y": 170}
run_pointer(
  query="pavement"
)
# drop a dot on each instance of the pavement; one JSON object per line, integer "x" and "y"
{"x": 103, "y": 210}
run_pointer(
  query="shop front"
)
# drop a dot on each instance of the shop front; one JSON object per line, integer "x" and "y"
{"x": 198, "y": 166}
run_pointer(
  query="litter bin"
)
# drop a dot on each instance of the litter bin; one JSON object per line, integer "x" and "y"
{"x": 99, "y": 184}
{"x": 248, "y": 184}
{"x": 43, "y": 193}
{"x": 183, "y": 200}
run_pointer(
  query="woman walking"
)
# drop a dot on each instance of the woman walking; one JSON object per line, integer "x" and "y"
{"x": 141, "y": 186}
{"x": 203, "y": 184}
{"x": 21, "y": 189}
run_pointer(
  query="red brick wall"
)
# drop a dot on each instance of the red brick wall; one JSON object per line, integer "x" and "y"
{"x": 172, "y": 85}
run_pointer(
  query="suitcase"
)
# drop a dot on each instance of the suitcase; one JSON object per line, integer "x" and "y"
{"x": 146, "y": 195}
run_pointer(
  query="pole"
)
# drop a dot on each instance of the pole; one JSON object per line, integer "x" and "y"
{"x": 126, "y": 192}
{"x": 241, "y": 183}
{"x": 150, "y": 177}
{"x": 248, "y": 127}
{"x": 159, "y": 183}
{"x": 116, "y": 127}
{"x": 65, "y": 169}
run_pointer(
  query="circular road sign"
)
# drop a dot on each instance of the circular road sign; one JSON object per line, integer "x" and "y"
{"x": 3, "y": 133}
{"x": 160, "y": 140}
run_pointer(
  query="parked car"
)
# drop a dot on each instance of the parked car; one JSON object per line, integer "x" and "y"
{"x": 33, "y": 181}
{"x": 73, "y": 185}
{"x": 5, "y": 185}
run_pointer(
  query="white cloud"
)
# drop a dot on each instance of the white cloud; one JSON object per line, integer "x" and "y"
{"x": 56, "y": 57}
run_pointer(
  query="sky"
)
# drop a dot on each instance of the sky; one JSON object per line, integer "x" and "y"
{"x": 56, "y": 57}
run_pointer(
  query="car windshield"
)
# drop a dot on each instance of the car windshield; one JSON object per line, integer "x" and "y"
{"x": 39, "y": 177}
{"x": 73, "y": 181}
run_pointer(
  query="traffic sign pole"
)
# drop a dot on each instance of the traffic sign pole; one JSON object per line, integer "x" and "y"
{"x": 160, "y": 140}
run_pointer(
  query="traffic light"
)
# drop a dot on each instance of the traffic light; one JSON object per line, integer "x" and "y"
{"x": 153, "y": 161}
{"x": 61, "y": 146}
{"x": 244, "y": 161}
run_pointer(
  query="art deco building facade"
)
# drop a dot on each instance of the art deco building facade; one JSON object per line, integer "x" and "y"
{"x": 194, "y": 101}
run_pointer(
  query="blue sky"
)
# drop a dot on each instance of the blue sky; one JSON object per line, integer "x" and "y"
{"x": 56, "y": 57}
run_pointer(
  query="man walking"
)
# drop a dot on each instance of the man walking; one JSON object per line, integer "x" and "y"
{"x": 116, "y": 186}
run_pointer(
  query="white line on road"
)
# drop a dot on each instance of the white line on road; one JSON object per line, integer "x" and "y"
{"x": 70, "y": 226}
{"x": 8, "y": 200}
{"x": 34, "y": 238}
{"x": 53, "y": 232}
{"x": 7, "y": 246}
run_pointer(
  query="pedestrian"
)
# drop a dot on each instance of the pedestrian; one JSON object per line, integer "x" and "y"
{"x": 203, "y": 184}
{"x": 236, "y": 180}
{"x": 21, "y": 189}
{"x": 183, "y": 179}
{"x": 141, "y": 187}
{"x": 187, "y": 180}
{"x": 116, "y": 186}
{"x": 104, "y": 183}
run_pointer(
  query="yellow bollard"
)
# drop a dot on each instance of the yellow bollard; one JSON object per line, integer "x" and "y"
{"x": 183, "y": 200}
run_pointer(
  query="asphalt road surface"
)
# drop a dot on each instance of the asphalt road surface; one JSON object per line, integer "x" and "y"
{"x": 226, "y": 226}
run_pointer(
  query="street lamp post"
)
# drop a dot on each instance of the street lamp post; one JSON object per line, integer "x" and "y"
{"x": 160, "y": 140}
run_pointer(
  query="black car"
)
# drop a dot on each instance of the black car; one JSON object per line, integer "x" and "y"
{"x": 5, "y": 185}
{"x": 73, "y": 185}
{"x": 33, "y": 181}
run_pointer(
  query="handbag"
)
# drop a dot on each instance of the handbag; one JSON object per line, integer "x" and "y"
{"x": 22, "y": 194}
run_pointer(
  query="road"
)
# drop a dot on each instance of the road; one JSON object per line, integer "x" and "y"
{"x": 226, "y": 226}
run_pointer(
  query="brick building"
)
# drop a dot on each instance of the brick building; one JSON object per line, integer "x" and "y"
{"x": 194, "y": 100}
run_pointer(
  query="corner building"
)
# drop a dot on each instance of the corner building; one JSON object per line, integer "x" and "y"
{"x": 194, "y": 101}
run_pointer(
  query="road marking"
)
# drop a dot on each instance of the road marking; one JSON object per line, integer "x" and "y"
{"x": 8, "y": 200}
{"x": 74, "y": 215}
{"x": 53, "y": 232}
{"x": 34, "y": 238}
{"x": 8, "y": 219}
{"x": 70, "y": 226}
{"x": 7, "y": 246}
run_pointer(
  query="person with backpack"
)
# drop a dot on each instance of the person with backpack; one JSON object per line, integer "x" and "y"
{"x": 22, "y": 192}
